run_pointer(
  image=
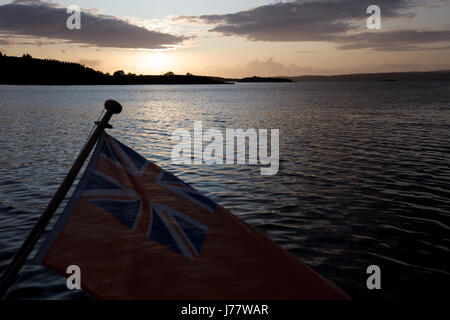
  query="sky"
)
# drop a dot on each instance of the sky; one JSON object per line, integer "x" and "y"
{"x": 233, "y": 38}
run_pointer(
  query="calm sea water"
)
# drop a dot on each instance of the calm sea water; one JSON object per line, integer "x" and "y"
{"x": 364, "y": 170}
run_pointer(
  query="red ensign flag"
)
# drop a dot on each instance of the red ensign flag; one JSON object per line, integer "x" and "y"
{"x": 138, "y": 232}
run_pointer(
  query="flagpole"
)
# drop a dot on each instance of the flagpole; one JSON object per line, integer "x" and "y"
{"x": 8, "y": 278}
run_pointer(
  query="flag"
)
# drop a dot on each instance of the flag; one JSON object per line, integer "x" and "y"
{"x": 137, "y": 231}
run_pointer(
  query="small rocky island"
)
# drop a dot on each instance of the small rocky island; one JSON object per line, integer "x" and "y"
{"x": 263, "y": 79}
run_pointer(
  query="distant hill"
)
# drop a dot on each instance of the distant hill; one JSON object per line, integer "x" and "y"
{"x": 261, "y": 79}
{"x": 27, "y": 70}
{"x": 391, "y": 76}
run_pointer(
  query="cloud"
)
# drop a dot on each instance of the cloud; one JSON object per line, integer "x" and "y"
{"x": 262, "y": 68}
{"x": 299, "y": 20}
{"x": 395, "y": 40}
{"x": 337, "y": 21}
{"x": 46, "y": 20}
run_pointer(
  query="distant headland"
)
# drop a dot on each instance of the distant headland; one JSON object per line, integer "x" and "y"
{"x": 441, "y": 75}
{"x": 27, "y": 70}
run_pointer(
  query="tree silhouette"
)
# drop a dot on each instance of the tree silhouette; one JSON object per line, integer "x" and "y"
{"x": 119, "y": 73}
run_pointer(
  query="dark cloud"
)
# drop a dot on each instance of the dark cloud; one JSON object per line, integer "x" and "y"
{"x": 395, "y": 40}
{"x": 46, "y": 20}
{"x": 323, "y": 20}
{"x": 300, "y": 20}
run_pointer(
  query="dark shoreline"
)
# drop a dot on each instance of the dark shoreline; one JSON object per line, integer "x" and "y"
{"x": 27, "y": 70}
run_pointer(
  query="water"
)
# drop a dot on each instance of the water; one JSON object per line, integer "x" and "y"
{"x": 364, "y": 172}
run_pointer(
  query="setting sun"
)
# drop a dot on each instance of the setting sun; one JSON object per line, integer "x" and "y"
{"x": 156, "y": 62}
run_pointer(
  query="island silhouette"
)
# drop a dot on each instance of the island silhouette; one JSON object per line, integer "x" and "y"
{"x": 27, "y": 70}
{"x": 262, "y": 79}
